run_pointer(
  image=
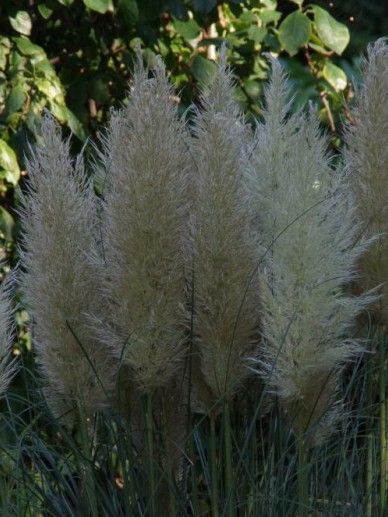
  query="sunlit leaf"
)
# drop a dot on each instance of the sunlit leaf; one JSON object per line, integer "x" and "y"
{"x": 334, "y": 35}
{"x": 335, "y": 76}
{"x": 21, "y": 22}
{"x": 28, "y": 48}
{"x": 100, "y": 6}
{"x": 189, "y": 29}
{"x": 15, "y": 99}
{"x": 294, "y": 32}
{"x": 6, "y": 224}
{"x": 8, "y": 161}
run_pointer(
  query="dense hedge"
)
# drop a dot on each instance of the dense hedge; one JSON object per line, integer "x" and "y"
{"x": 74, "y": 58}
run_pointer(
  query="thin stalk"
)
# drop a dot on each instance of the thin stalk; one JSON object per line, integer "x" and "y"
{"x": 369, "y": 476}
{"x": 228, "y": 459}
{"x": 194, "y": 481}
{"x": 173, "y": 505}
{"x": 127, "y": 463}
{"x": 171, "y": 485}
{"x": 383, "y": 437}
{"x": 254, "y": 486}
{"x": 386, "y": 447}
{"x": 4, "y": 496}
{"x": 86, "y": 466}
{"x": 150, "y": 449}
{"x": 213, "y": 462}
{"x": 303, "y": 495}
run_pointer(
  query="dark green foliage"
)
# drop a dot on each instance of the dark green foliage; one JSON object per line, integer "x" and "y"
{"x": 74, "y": 58}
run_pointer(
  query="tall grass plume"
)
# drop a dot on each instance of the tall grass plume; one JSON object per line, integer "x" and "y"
{"x": 366, "y": 159}
{"x": 143, "y": 230}
{"x": 225, "y": 303}
{"x": 308, "y": 230}
{"x": 58, "y": 284}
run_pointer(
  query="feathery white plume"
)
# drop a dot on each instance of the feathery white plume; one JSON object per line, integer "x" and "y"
{"x": 366, "y": 160}
{"x": 58, "y": 283}
{"x": 225, "y": 301}
{"x": 308, "y": 229}
{"x": 7, "y": 366}
{"x": 143, "y": 230}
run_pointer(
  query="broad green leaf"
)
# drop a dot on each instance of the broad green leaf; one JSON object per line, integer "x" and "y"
{"x": 256, "y": 34}
{"x": 6, "y": 224}
{"x": 335, "y": 76}
{"x": 189, "y": 30}
{"x": 21, "y": 23}
{"x": 100, "y": 6}
{"x": 252, "y": 88}
{"x": 294, "y": 32}
{"x": 334, "y": 35}
{"x": 65, "y": 2}
{"x": 45, "y": 10}
{"x": 3, "y": 57}
{"x": 44, "y": 66}
{"x": 28, "y": 48}
{"x": 271, "y": 4}
{"x": 8, "y": 161}
{"x": 202, "y": 69}
{"x": 75, "y": 125}
{"x": 15, "y": 99}
{"x": 59, "y": 112}
{"x": 269, "y": 15}
{"x": 51, "y": 89}
{"x": 248, "y": 17}
{"x": 64, "y": 115}
{"x": 5, "y": 42}
{"x": 13, "y": 121}
{"x": 297, "y": 2}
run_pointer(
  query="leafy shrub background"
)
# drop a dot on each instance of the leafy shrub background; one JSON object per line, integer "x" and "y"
{"x": 73, "y": 57}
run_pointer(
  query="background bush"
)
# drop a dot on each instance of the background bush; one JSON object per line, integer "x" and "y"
{"x": 74, "y": 58}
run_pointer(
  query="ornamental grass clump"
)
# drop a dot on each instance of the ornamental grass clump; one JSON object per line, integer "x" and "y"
{"x": 308, "y": 231}
{"x": 7, "y": 365}
{"x": 366, "y": 159}
{"x": 225, "y": 303}
{"x": 58, "y": 284}
{"x": 144, "y": 165}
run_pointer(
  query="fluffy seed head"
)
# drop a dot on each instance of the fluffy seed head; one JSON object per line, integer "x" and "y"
{"x": 58, "y": 283}
{"x": 145, "y": 165}
{"x": 307, "y": 256}
{"x": 366, "y": 159}
{"x": 7, "y": 366}
{"x": 225, "y": 301}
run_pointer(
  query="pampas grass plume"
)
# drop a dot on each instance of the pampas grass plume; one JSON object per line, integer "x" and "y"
{"x": 308, "y": 228}
{"x": 225, "y": 303}
{"x": 58, "y": 283}
{"x": 7, "y": 365}
{"x": 143, "y": 230}
{"x": 366, "y": 159}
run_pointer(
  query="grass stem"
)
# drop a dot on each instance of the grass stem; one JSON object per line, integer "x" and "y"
{"x": 213, "y": 462}
{"x": 303, "y": 495}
